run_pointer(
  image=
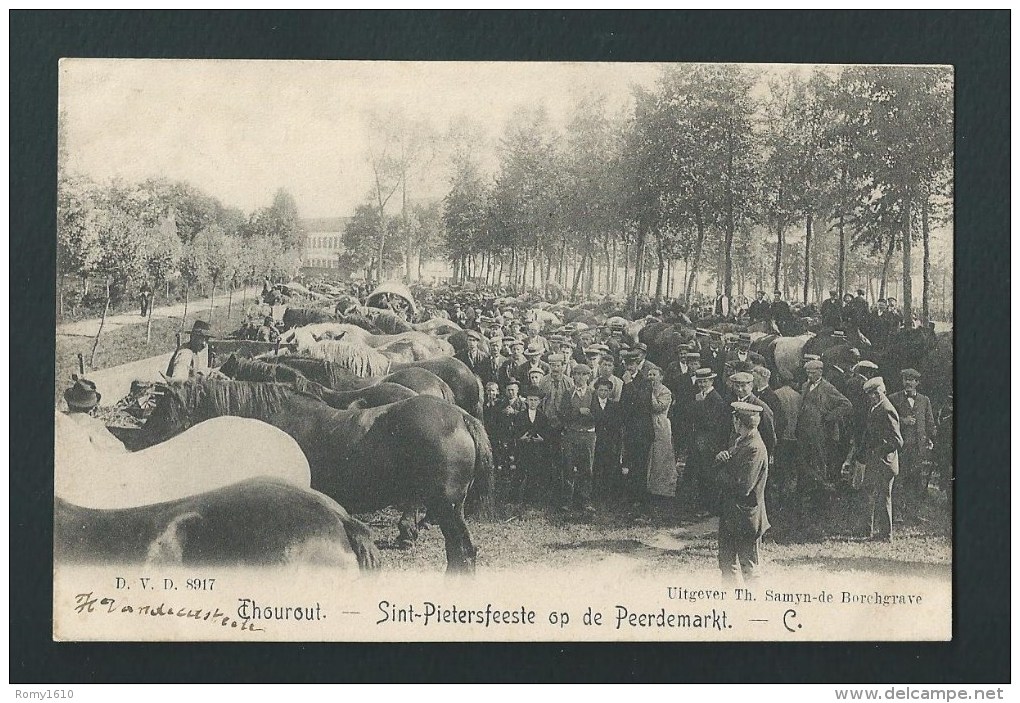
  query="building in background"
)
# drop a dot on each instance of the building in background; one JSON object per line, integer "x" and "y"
{"x": 323, "y": 245}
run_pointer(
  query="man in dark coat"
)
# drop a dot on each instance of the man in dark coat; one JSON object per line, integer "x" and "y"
{"x": 780, "y": 313}
{"x": 822, "y": 411}
{"x": 531, "y": 434}
{"x": 636, "y": 409}
{"x": 742, "y": 383}
{"x": 608, "y": 425}
{"x": 475, "y": 359}
{"x": 832, "y": 311}
{"x": 877, "y": 457}
{"x": 742, "y": 474}
{"x": 917, "y": 425}
{"x": 680, "y": 380}
{"x": 856, "y": 314}
{"x": 709, "y": 431}
{"x": 760, "y": 309}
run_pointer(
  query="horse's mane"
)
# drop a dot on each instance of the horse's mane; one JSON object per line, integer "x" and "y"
{"x": 261, "y": 371}
{"x": 361, "y": 321}
{"x": 358, "y": 358}
{"x": 186, "y": 403}
{"x": 390, "y": 323}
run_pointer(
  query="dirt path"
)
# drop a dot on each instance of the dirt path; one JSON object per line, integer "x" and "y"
{"x": 89, "y": 328}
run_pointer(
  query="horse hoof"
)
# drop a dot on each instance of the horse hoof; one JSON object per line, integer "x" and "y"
{"x": 404, "y": 543}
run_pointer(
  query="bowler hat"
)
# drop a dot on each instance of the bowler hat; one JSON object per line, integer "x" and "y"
{"x": 201, "y": 328}
{"x": 82, "y": 395}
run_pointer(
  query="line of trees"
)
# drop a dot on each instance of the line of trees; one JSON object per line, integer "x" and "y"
{"x": 799, "y": 179}
{"x": 166, "y": 232}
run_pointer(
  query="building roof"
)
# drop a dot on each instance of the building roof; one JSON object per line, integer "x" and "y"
{"x": 313, "y": 225}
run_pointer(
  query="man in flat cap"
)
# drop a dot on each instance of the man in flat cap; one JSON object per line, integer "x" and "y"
{"x": 709, "y": 428}
{"x": 475, "y": 359}
{"x": 578, "y": 442}
{"x": 878, "y": 455}
{"x": 743, "y": 470}
{"x": 917, "y": 425}
{"x": 832, "y": 311}
{"x": 606, "y": 369}
{"x": 742, "y": 383}
{"x": 822, "y": 410}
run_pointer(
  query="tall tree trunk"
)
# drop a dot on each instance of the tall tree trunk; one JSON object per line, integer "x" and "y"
{"x": 698, "y": 248}
{"x": 230, "y": 299}
{"x": 807, "y": 255}
{"x": 885, "y": 265}
{"x": 187, "y": 293}
{"x": 626, "y": 267}
{"x": 730, "y": 221}
{"x": 908, "y": 312}
{"x": 102, "y": 323}
{"x": 841, "y": 261}
{"x": 661, "y": 271}
{"x": 212, "y": 299}
{"x": 926, "y": 265}
{"x": 577, "y": 276}
{"x": 561, "y": 266}
{"x": 639, "y": 259}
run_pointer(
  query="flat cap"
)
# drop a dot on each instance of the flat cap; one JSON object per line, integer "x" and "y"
{"x": 557, "y": 359}
{"x": 742, "y": 377}
{"x": 742, "y": 407}
{"x": 692, "y": 355}
{"x": 474, "y": 334}
{"x": 913, "y": 374}
{"x": 873, "y": 384}
{"x": 580, "y": 368}
{"x": 814, "y": 364}
{"x": 812, "y": 357}
{"x": 865, "y": 364}
{"x": 640, "y": 346}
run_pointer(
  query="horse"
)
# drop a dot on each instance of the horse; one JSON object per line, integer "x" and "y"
{"x": 784, "y": 356}
{"x": 424, "y": 345}
{"x": 466, "y": 386}
{"x": 299, "y": 317}
{"x": 206, "y": 457}
{"x": 420, "y": 451}
{"x": 371, "y": 396}
{"x": 325, "y": 373}
{"x": 258, "y": 521}
{"x": 665, "y": 341}
{"x": 437, "y": 326}
{"x": 357, "y": 358}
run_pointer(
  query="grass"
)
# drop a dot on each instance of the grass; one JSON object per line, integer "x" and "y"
{"x": 125, "y": 344}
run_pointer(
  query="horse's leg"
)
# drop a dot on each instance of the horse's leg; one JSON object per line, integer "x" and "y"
{"x": 460, "y": 553}
{"x": 407, "y": 527}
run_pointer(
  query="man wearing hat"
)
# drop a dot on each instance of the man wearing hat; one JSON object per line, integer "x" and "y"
{"x": 682, "y": 384}
{"x": 855, "y": 314}
{"x": 638, "y": 432}
{"x": 780, "y": 313}
{"x": 822, "y": 411}
{"x": 760, "y": 308}
{"x": 555, "y": 387}
{"x": 475, "y": 359}
{"x": 878, "y": 456}
{"x": 509, "y": 368}
{"x": 638, "y": 352}
{"x": 743, "y": 470}
{"x": 531, "y": 433}
{"x": 579, "y": 442}
{"x": 917, "y": 425}
{"x": 859, "y": 374}
{"x": 532, "y": 360}
{"x": 709, "y": 427}
{"x": 606, "y": 370}
{"x": 742, "y": 383}
{"x": 832, "y": 311}
{"x": 82, "y": 397}
{"x": 192, "y": 357}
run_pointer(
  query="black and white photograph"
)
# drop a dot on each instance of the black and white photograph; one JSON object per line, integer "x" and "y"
{"x": 503, "y": 351}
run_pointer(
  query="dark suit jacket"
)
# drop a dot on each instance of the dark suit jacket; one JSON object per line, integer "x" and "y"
{"x": 917, "y": 424}
{"x": 482, "y": 367}
{"x": 710, "y": 424}
{"x": 607, "y": 428}
{"x": 636, "y": 410}
{"x": 742, "y": 480}
{"x": 522, "y": 426}
{"x": 881, "y": 440}
{"x": 769, "y": 397}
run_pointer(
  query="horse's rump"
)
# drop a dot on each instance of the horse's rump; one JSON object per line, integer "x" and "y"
{"x": 259, "y": 521}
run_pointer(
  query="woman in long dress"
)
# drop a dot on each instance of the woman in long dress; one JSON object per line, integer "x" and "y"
{"x": 661, "y": 459}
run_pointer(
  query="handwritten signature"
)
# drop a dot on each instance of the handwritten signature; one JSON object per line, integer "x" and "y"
{"x": 105, "y": 605}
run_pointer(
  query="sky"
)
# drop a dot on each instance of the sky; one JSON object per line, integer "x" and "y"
{"x": 240, "y": 130}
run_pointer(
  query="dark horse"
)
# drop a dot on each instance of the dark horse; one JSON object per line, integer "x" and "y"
{"x": 262, "y": 371}
{"x": 467, "y": 388}
{"x": 259, "y": 521}
{"x": 420, "y": 451}
{"x": 338, "y": 378}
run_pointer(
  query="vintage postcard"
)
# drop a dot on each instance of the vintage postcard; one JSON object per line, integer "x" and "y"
{"x": 384, "y": 351}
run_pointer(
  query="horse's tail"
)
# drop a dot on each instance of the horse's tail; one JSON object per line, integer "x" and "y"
{"x": 479, "y": 409}
{"x": 364, "y": 548}
{"x": 482, "y": 491}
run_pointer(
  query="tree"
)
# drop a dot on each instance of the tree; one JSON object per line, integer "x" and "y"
{"x": 160, "y": 251}
{"x": 360, "y": 237}
{"x": 278, "y": 221}
{"x": 119, "y": 259}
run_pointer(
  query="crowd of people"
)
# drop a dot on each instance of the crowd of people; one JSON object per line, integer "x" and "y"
{"x": 582, "y": 421}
